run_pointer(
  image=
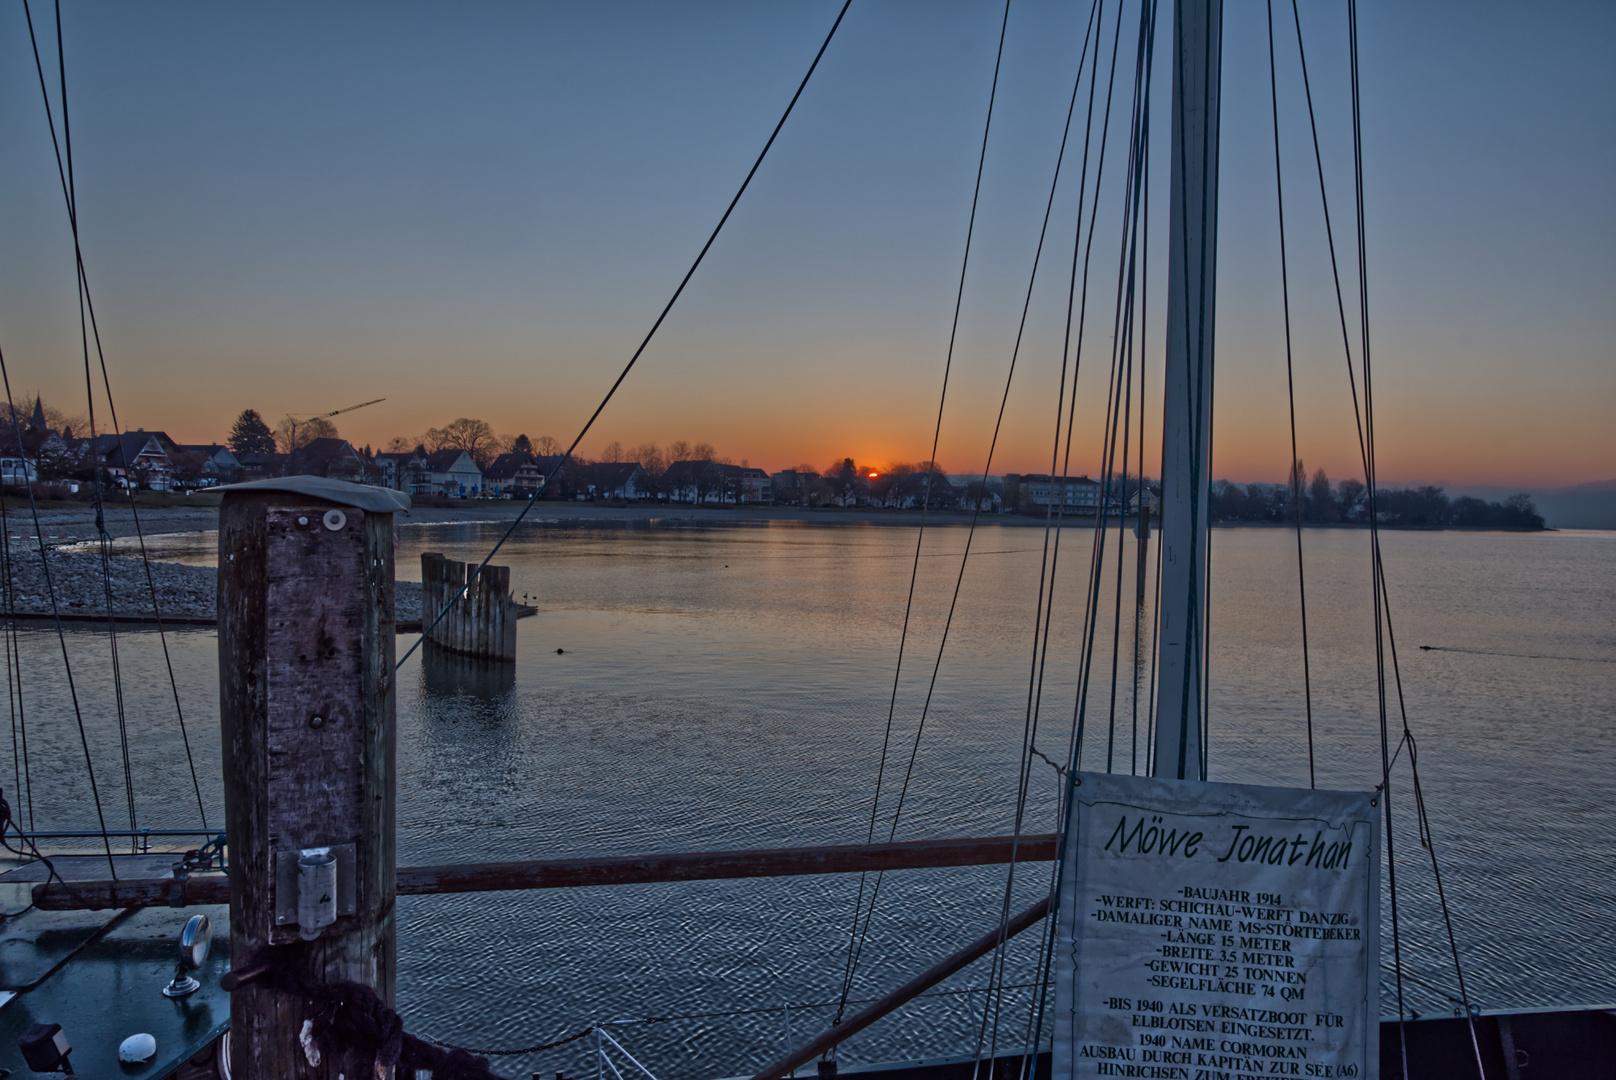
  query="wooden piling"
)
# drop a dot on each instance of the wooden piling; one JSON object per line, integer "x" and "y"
{"x": 481, "y": 620}
{"x": 307, "y": 704}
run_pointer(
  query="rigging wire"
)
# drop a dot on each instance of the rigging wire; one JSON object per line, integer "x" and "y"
{"x": 644, "y": 343}
{"x": 1142, "y": 522}
{"x": 88, "y": 306}
{"x": 986, "y": 1041}
{"x": 13, "y": 646}
{"x": 1382, "y": 596}
{"x": 1150, "y": 679}
{"x": 61, "y": 634}
{"x": 1290, "y": 389}
{"x": 70, "y": 192}
{"x": 1385, "y": 641}
{"x": 855, "y": 943}
{"x": 1055, "y": 510}
{"x": 1122, "y": 333}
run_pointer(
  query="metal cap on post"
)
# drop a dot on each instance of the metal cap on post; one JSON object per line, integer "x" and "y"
{"x": 307, "y": 714}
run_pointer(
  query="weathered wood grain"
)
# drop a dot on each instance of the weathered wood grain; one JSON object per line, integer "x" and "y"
{"x": 305, "y": 631}
{"x": 480, "y": 620}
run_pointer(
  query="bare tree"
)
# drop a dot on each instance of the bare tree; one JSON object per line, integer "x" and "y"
{"x": 653, "y": 463}
{"x": 547, "y": 446}
{"x": 679, "y": 450}
{"x": 28, "y": 411}
{"x": 292, "y": 433}
{"x": 403, "y": 444}
{"x": 612, "y": 453}
{"x": 475, "y": 437}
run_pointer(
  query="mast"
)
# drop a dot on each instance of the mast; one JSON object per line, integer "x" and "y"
{"x": 1187, "y": 419}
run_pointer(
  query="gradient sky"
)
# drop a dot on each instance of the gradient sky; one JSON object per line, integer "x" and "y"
{"x": 478, "y": 209}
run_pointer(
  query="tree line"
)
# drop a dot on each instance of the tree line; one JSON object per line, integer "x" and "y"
{"x": 679, "y": 466}
{"x": 697, "y": 467}
{"x": 1321, "y": 502}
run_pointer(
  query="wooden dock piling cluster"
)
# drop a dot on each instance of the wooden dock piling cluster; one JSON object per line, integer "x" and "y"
{"x": 482, "y": 621}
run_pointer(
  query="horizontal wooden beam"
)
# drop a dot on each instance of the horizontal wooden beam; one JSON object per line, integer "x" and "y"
{"x": 572, "y": 873}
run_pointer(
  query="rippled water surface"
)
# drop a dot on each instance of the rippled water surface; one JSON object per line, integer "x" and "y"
{"x": 690, "y": 688}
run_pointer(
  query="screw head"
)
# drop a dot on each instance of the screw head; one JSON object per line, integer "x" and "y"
{"x": 316, "y": 721}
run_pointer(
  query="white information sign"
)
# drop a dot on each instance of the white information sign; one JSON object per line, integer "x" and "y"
{"x": 1217, "y": 932}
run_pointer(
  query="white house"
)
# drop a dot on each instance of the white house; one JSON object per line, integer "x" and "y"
{"x": 453, "y": 473}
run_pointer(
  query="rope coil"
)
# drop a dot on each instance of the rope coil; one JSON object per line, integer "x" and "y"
{"x": 351, "y": 1017}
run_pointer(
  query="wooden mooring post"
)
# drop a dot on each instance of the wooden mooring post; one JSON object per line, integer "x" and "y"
{"x": 482, "y": 621}
{"x": 307, "y": 707}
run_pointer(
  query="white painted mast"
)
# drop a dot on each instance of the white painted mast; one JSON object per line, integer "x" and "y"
{"x": 1187, "y": 420}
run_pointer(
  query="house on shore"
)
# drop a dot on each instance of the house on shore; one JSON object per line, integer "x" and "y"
{"x": 402, "y": 471}
{"x": 204, "y": 465}
{"x": 452, "y": 472}
{"x": 612, "y": 481}
{"x": 135, "y": 458}
{"x": 708, "y": 481}
{"x": 1034, "y": 493}
{"x": 262, "y": 465}
{"x": 19, "y": 464}
{"x": 512, "y": 476}
{"x": 743, "y": 484}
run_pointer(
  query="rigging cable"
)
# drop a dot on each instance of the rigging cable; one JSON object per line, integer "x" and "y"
{"x": 100, "y": 519}
{"x": 1382, "y": 598}
{"x": 100, "y": 525}
{"x": 88, "y": 302}
{"x": 1122, "y": 333}
{"x": 61, "y": 635}
{"x": 1135, "y": 192}
{"x": 655, "y": 326}
{"x": 855, "y": 943}
{"x": 1055, "y": 509}
{"x": 1044, "y": 615}
{"x": 1142, "y": 522}
{"x": 1130, "y": 202}
{"x": 19, "y": 716}
{"x": 1290, "y": 389}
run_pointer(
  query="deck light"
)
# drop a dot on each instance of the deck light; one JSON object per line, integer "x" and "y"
{"x": 195, "y": 941}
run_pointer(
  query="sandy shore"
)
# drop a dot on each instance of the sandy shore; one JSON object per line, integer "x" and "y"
{"x": 80, "y": 581}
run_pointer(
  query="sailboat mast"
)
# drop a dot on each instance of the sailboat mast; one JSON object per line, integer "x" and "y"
{"x": 1187, "y": 419}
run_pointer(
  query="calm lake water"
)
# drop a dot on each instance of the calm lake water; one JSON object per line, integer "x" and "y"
{"x": 728, "y": 687}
